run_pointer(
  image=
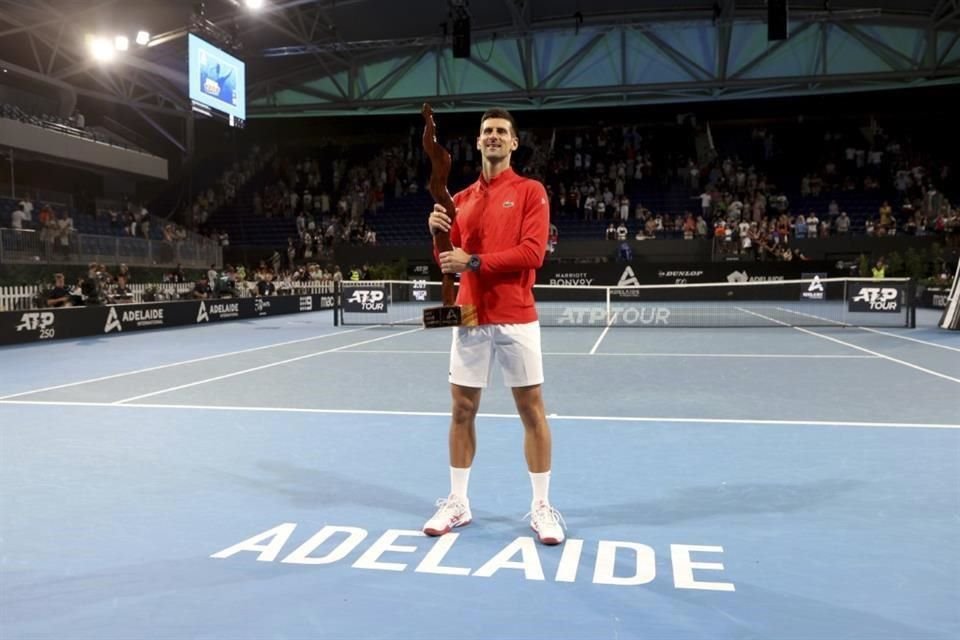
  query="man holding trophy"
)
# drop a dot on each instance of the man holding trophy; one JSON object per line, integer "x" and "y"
{"x": 494, "y": 234}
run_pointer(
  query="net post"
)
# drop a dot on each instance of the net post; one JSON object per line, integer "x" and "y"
{"x": 336, "y": 304}
{"x": 843, "y": 303}
{"x": 911, "y": 304}
{"x": 608, "y": 309}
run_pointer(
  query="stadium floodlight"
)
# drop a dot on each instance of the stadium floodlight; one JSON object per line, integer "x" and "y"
{"x": 143, "y": 38}
{"x": 254, "y": 5}
{"x": 101, "y": 49}
{"x": 121, "y": 43}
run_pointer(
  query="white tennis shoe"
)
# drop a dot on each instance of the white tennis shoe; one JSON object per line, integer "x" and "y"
{"x": 547, "y": 523}
{"x": 453, "y": 512}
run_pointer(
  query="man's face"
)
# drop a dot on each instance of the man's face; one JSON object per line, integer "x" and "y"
{"x": 496, "y": 140}
{"x": 59, "y": 281}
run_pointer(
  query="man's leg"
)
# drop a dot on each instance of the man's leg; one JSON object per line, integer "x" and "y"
{"x": 544, "y": 519}
{"x": 454, "y": 510}
{"x": 536, "y": 437}
{"x": 463, "y": 432}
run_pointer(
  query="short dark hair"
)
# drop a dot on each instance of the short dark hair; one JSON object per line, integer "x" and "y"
{"x": 497, "y": 112}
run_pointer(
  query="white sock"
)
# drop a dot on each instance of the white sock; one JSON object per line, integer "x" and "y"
{"x": 458, "y": 481}
{"x": 541, "y": 486}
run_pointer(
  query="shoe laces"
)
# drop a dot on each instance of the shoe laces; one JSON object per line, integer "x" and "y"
{"x": 450, "y": 506}
{"x": 545, "y": 513}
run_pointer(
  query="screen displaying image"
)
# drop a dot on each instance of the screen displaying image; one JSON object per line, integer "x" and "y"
{"x": 216, "y": 78}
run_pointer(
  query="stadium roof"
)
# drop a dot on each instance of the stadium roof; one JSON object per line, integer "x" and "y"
{"x": 309, "y": 57}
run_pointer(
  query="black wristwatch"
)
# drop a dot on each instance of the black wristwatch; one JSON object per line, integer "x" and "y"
{"x": 473, "y": 264}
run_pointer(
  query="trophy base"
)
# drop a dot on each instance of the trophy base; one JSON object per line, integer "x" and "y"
{"x": 450, "y": 316}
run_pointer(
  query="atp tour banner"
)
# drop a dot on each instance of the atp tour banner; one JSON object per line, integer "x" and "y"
{"x": 633, "y": 274}
{"x": 877, "y": 297}
{"x": 363, "y": 298}
{"x": 17, "y": 327}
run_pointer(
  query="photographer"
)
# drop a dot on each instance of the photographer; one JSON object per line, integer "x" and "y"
{"x": 92, "y": 285}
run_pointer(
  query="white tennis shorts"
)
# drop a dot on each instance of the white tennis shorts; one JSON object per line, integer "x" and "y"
{"x": 517, "y": 349}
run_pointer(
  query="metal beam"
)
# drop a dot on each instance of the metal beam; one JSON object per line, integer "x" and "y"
{"x": 724, "y": 34}
{"x": 885, "y": 52}
{"x": 160, "y": 129}
{"x": 789, "y": 85}
{"x": 480, "y": 64}
{"x": 61, "y": 16}
{"x": 948, "y": 49}
{"x": 680, "y": 59}
{"x": 323, "y": 63}
{"x": 56, "y": 48}
{"x": 106, "y": 97}
{"x": 36, "y": 56}
{"x": 770, "y": 51}
{"x": 389, "y": 81}
{"x": 565, "y": 68}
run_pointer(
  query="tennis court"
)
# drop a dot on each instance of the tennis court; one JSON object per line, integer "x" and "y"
{"x": 268, "y": 478}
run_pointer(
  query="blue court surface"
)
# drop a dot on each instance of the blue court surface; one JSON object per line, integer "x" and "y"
{"x": 268, "y": 479}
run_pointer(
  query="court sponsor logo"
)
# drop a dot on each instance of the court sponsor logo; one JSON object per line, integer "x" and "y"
{"x": 149, "y": 317}
{"x": 743, "y": 276}
{"x": 420, "y": 290}
{"x": 680, "y": 276}
{"x": 306, "y": 303}
{"x": 628, "y": 278}
{"x": 261, "y": 306}
{"x": 221, "y": 310}
{"x": 40, "y": 321}
{"x": 815, "y": 290}
{"x": 876, "y": 299}
{"x": 370, "y": 300}
{"x": 617, "y": 563}
{"x": 507, "y": 204}
{"x": 113, "y": 322}
{"x": 940, "y": 300}
{"x": 571, "y": 278}
{"x": 649, "y": 316}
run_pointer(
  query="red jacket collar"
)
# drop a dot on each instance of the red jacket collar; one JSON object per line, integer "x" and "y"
{"x": 503, "y": 176}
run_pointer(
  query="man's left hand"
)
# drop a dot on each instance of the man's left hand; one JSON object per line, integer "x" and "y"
{"x": 454, "y": 261}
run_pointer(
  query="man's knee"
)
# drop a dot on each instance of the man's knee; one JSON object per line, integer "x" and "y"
{"x": 529, "y": 403}
{"x": 465, "y": 406}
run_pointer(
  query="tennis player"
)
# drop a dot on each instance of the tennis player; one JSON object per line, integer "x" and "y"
{"x": 499, "y": 235}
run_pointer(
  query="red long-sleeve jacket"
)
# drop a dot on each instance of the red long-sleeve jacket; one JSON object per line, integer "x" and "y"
{"x": 506, "y": 222}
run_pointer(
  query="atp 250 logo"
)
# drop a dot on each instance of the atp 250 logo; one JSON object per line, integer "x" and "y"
{"x": 40, "y": 321}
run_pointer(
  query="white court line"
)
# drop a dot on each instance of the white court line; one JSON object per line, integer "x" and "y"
{"x": 509, "y": 416}
{"x": 926, "y": 342}
{"x": 263, "y": 366}
{"x": 641, "y": 354}
{"x": 883, "y": 333}
{"x": 603, "y": 335}
{"x": 181, "y": 362}
{"x": 858, "y": 348}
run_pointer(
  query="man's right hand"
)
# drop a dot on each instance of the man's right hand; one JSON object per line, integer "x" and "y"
{"x": 439, "y": 220}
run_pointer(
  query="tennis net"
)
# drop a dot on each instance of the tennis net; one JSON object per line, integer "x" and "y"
{"x": 794, "y": 303}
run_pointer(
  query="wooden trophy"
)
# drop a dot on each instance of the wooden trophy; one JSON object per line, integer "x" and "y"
{"x": 450, "y": 314}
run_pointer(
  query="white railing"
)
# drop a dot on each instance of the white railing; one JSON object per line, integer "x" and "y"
{"x": 33, "y": 247}
{"x": 25, "y": 296}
